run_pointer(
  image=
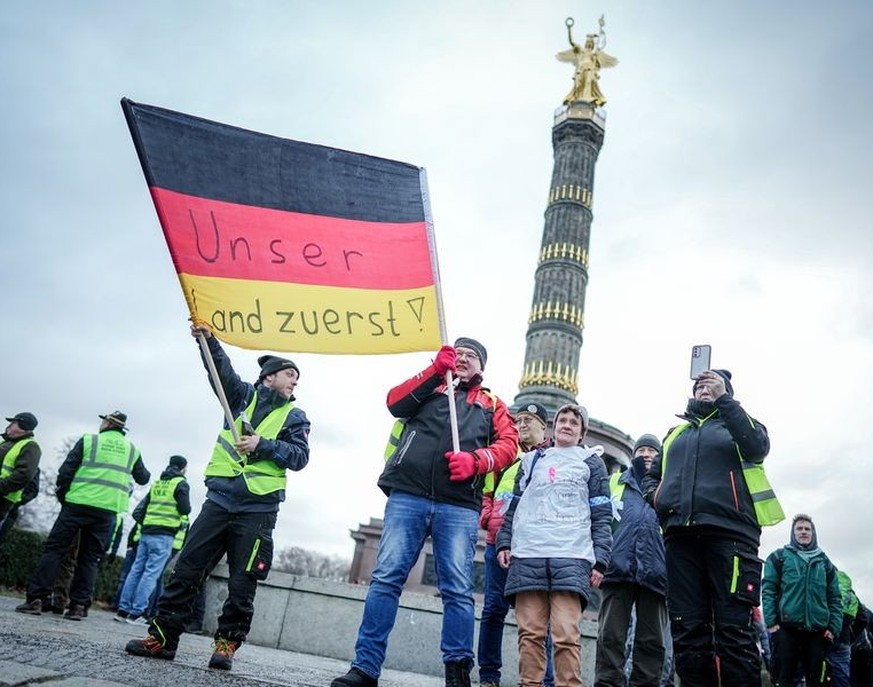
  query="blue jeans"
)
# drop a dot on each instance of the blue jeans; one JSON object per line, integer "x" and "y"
{"x": 494, "y": 611}
{"x": 152, "y": 553}
{"x": 408, "y": 521}
{"x": 126, "y": 565}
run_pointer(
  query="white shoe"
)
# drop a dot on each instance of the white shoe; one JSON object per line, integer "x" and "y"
{"x": 139, "y": 620}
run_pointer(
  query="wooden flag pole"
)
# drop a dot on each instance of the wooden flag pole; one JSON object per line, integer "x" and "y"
{"x": 216, "y": 382}
{"x": 431, "y": 240}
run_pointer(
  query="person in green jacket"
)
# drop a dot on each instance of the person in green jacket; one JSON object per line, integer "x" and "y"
{"x": 803, "y": 609}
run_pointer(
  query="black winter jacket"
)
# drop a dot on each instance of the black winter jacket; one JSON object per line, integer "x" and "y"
{"x": 637, "y": 544}
{"x": 702, "y": 484}
{"x": 419, "y": 465}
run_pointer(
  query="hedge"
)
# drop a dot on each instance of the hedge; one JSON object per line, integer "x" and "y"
{"x": 20, "y": 552}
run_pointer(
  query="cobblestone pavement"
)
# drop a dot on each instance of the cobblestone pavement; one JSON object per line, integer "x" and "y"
{"x": 50, "y": 650}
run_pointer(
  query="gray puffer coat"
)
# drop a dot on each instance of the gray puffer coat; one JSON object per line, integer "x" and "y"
{"x": 558, "y": 524}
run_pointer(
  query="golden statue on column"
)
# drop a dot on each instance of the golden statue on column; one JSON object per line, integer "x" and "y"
{"x": 589, "y": 60}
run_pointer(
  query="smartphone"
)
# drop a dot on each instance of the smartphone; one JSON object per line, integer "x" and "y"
{"x": 247, "y": 429}
{"x": 700, "y": 357}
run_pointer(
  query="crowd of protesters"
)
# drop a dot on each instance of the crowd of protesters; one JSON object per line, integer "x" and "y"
{"x": 670, "y": 544}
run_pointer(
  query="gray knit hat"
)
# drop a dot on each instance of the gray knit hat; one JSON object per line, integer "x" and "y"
{"x": 467, "y": 342}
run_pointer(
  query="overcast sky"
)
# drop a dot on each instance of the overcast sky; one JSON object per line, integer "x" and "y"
{"x": 730, "y": 208}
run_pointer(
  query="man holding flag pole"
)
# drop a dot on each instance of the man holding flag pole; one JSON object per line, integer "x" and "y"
{"x": 264, "y": 435}
{"x": 434, "y": 489}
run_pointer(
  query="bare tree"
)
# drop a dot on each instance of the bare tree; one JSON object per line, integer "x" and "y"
{"x": 299, "y": 561}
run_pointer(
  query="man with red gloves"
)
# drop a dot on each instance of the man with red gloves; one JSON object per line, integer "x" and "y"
{"x": 434, "y": 491}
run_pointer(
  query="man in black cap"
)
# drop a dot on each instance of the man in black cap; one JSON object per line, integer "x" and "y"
{"x": 433, "y": 490}
{"x": 19, "y": 465}
{"x": 93, "y": 486}
{"x": 635, "y": 579}
{"x": 245, "y": 482}
{"x": 712, "y": 499}
{"x": 161, "y": 514}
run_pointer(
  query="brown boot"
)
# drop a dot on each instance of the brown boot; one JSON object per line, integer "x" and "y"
{"x": 30, "y": 607}
{"x": 76, "y": 612}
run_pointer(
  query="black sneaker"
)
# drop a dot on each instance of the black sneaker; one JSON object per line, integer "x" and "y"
{"x": 222, "y": 657}
{"x": 30, "y": 607}
{"x": 76, "y": 612}
{"x": 355, "y": 678}
{"x": 151, "y": 646}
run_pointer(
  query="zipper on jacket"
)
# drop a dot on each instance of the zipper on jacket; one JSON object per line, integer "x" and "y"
{"x": 404, "y": 448}
{"x": 734, "y": 489}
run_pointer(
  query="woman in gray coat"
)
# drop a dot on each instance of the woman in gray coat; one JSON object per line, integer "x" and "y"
{"x": 556, "y": 541}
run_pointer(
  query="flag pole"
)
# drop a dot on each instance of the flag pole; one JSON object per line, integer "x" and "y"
{"x": 434, "y": 262}
{"x": 216, "y": 382}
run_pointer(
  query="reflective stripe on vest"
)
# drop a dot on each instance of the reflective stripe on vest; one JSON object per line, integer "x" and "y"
{"x": 9, "y": 465}
{"x": 103, "y": 478}
{"x": 163, "y": 511}
{"x": 768, "y": 511}
{"x": 262, "y": 477}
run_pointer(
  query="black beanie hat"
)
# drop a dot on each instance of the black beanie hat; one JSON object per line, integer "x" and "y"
{"x": 467, "y": 342}
{"x": 271, "y": 364}
{"x": 726, "y": 376}
{"x": 178, "y": 462}
{"x": 649, "y": 440}
{"x": 537, "y": 410}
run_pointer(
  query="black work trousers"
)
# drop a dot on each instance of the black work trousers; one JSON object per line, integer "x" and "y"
{"x": 618, "y": 600}
{"x": 713, "y": 585}
{"x": 247, "y": 540}
{"x": 793, "y": 648}
{"x": 94, "y": 527}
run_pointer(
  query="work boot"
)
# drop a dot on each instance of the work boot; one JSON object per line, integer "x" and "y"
{"x": 152, "y": 647}
{"x": 222, "y": 657}
{"x": 355, "y": 678}
{"x": 76, "y": 612}
{"x": 458, "y": 674}
{"x": 30, "y": 607}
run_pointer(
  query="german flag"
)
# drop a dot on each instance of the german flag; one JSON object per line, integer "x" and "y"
{"x": 291, "y": 246}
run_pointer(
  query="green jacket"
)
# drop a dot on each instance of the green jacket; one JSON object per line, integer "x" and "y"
{"x": 801, "y": 590}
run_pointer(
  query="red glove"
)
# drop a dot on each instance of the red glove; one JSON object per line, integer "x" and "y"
{"x": 445, "y": 360}
{"x": 461, "y": 465}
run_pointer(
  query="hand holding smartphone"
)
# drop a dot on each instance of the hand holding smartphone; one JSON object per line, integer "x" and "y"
{"x": 700, "y": 359}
